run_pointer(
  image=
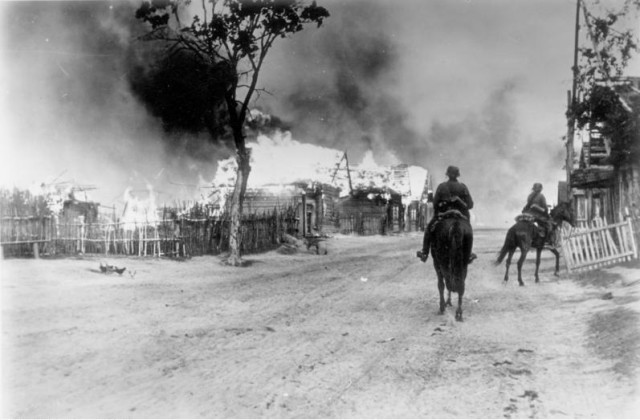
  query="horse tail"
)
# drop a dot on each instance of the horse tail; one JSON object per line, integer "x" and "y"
{"x": 509, "y": 243}
{"x": 457, "y": 260}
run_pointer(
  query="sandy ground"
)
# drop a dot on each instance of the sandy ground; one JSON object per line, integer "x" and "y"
{"x": 354, "y": 333}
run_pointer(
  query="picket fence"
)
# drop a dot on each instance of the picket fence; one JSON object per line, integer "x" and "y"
{"x": 180, "y": 236}
{"x": 598, "y": 245}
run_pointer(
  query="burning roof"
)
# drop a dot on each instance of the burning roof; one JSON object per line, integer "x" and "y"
{"x": 281, "y": 160}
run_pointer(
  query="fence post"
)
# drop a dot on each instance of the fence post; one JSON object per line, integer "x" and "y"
{"x": 632, "y": 237}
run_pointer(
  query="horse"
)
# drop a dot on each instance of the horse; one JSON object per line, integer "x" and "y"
{"x": 451, "y": 249}
{"x": 526, "y": 235}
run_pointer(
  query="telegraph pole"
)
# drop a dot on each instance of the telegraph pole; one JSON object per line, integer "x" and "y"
{"x": 571, "y": 102}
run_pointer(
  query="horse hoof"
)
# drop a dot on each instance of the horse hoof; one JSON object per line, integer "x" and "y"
{"x": 521, "y": 284}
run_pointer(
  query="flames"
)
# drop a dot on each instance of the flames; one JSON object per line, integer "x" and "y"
{"x": 139, "y": 211}
{"x": 279, "y": 164}
{"x": 279, "y": 161}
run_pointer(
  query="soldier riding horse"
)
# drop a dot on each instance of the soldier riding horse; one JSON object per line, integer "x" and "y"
{"x": 533, "y": 232}
{"x": 452, "y": 237}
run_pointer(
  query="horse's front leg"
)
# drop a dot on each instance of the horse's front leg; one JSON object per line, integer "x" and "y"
{"x": 449, "y": 298}
{"x": 538, "y": 252}
{"x": 523, "y": 256}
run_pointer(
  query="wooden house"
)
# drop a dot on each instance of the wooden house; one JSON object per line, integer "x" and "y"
{"x": 606, "y": 182}
{"x": 323, "y": 193}
{"x": 312, "y": 204}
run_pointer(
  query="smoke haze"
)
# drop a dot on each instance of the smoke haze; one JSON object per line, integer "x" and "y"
{"x": 479, "y": 85}
{"x": 70, "y": 113}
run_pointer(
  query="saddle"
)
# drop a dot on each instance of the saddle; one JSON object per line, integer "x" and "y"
{"x": 452, "y": 214}
{"x": 525, "y": 217}
{"x": 449, "y": 214}
{"x": 545, "y": 232}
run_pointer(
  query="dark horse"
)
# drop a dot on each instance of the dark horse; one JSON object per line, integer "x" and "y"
{"x": 451, "y": 248}
{"x": 525, "y": 235}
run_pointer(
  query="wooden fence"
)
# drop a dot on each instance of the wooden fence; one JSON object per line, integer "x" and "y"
{"x": 598, "y": 245}
{"x": 175, "y": 234}
{"x": 362, "y": 224}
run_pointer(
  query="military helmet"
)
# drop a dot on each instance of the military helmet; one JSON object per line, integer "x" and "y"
{"x": 453, "y": 171}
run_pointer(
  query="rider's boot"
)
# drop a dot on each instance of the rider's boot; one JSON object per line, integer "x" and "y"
{"x": 424, "y": 254}
{"x": 472, "y": 257}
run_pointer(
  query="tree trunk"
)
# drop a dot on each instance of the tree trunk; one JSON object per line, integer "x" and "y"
{"x": 237, "y": 201}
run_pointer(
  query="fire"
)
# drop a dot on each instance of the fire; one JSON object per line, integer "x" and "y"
{"x": 280, "y": 161}
{"x": 138, "y": 211}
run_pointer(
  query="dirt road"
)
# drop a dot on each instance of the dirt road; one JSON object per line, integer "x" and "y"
{"x": 354, "y": 333}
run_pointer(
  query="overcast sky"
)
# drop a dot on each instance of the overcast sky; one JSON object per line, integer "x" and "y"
{"x": 478, "y": 84}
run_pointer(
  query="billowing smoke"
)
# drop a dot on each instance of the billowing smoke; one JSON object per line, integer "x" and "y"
{"x": 340, "y": 87}
{"x": 71, "y": 113}
{"x": 88, "y": 102}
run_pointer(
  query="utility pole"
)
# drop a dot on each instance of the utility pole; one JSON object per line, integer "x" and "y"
{"x": 571, "y": 102}
{"x": 346, "y": 159}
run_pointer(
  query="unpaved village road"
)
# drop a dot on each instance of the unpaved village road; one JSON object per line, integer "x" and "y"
{"x": 354, "y": 333}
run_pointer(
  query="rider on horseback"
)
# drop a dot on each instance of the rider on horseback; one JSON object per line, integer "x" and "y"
{"x": 537, "y": 208}
{"x": 449, "y": 195}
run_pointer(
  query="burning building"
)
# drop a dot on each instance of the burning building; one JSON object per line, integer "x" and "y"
{"x": 324, "y": 192}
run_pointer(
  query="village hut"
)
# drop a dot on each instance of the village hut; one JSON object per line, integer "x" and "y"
{"x": 286, "y": 176}
{"x": 606, "y": 182}
{"x": 319, "y": 188}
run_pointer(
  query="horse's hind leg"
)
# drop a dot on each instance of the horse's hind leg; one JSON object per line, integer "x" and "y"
{"x": 449, "y": 298}
{"x": 441, "y": 291}
{"x": 557, "y": 255}
{"x": 508, "y": 263}
{"x": 459, "y": 310}
{"x": 538, "y": 252}
{"x": 523, "y": 256}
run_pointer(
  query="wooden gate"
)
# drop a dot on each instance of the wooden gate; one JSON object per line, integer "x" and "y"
{"x": 599, "y": 245}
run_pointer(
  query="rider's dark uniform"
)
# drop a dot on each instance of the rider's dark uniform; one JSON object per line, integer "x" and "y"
{"x": 448, "y": 190}
{"x": 442, "y": 201}
{"x": 537, "y": 207}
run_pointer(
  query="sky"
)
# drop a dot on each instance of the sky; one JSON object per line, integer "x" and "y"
{"x": 477, "y": 84}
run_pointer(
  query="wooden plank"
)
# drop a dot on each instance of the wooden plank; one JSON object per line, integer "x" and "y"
{"x": 617, "y": 258}
{"x": 573, "y": 251}
{"x": 33, "y": 241}
{"x": 589, "y": 247}
{"x": 594, "y": 247}
{"x": 621, "y": 240}
{"x": 634, "y": 246}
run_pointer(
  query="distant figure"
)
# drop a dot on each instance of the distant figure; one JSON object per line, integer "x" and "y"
{"x": 450, "y": 194}
{"x": 537, "y": 208}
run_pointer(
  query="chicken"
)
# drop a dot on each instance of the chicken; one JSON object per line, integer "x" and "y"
{"x": 119, "y": 270}
{"x": 106, "y": 268}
